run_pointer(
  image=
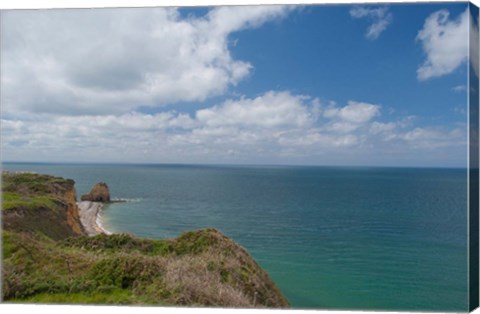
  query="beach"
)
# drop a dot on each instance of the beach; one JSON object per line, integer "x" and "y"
{"x": 89, "y": 212}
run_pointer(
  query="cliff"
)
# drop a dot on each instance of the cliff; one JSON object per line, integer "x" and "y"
{"x": 46, "y": 258}
{"x": 39, "y": 203}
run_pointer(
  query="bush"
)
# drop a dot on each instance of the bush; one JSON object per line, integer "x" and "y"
{"x": 122, "y": 271}
{"x": 120, "y": 242}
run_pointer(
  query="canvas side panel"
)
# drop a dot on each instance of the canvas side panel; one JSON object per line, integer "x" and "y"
{"x": 473, "y": 159}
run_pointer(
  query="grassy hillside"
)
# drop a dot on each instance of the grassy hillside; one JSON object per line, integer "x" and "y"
{"x": 35, "y": 203}
{"x": 199, "y": 268}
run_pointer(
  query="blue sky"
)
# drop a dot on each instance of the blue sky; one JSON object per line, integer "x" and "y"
{"x": 318, "y": 85}
{"x": 328, "y": 55}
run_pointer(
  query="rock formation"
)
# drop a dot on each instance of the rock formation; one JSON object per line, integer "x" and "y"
{"x": 99, "y": 193}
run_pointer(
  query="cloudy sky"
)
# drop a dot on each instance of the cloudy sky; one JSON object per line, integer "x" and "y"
{"x": 316, "y": 85}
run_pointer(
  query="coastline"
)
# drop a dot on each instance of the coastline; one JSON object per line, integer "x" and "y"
{"x": 89, "y": 213}
{"x": 74, "y": 255}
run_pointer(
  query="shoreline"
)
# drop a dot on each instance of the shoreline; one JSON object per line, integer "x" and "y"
{"x": 89, "y": 213}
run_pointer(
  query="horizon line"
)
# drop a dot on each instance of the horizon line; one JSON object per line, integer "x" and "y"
{"x": 119, "y": 163}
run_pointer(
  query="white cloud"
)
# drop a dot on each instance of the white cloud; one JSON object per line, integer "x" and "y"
{"x": 379, "y": 127}
{"x": 354, "y": 112}
{"x": 69, "y": 96}
{"x": 433, "y": 138}
{"x": 317, "y": 141}
{"x": 272, "y": 109}
{"x": 381, "y": 18}
{"x": 460, "y": 88}
{"x": 277, "y": 126}
{"x": 445, "y": 43}
{"x": 114, "y": 60}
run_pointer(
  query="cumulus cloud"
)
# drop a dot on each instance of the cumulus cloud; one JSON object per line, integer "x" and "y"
{"x": 434, "y": 137}
{"x": 445, "y": 43}
{"x": 380, "y": 127}
{"x": 114, "y": 60}
{"x": 381, "y": 18}
{"x": 67, "y": 95}
{"x": 274, "y": 126}
{"x": 273, "y": 109}
{"x": 354, "y": 112}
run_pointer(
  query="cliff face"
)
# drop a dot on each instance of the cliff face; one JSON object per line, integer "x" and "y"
{"x": 73, "y": 218}
{"x": 46, "y": 258}
{"x": 40, "y": 203}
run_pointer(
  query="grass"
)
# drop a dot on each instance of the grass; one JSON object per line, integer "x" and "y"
{"x": 12, "y": 200}
{"x": 116, "y": 296}
{"x": 120, "y": 243}
{"x": 30, "y": 190}
{"x": 8, "y": 245}
{"x": 31, "y": 183}
{"x": 44, "y": 261}
{"x": 122, "y": 269}
{"x": 191, "y": 242}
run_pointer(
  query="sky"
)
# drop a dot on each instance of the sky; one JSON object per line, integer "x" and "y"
{"x": 355, "y": 85}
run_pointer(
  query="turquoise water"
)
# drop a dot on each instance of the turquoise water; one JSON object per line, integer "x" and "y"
{"x": 337, "y": 238}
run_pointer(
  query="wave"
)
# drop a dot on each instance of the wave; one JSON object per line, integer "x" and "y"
{"x": 99, "y": 223}
{"x": 126, "y": 200}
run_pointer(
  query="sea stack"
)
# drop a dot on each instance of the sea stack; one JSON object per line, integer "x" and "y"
{"x": 99, "y": 193}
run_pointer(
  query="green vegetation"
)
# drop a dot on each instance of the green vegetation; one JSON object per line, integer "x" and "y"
{"x": 120, "y": 243}
{"x": 45, "y": 261}
{"x": 31, "y": 183}
{"x": 12, "y": 200}
{"x": 38, "y": 203}
{"x": 110, "y": 297}
{"x": 122, "y": 269}
{"x": 31, "y": 190}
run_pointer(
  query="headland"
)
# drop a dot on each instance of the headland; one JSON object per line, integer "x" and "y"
{"x": 55, "y": 252}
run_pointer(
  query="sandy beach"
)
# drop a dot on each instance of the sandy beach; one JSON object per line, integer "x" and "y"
{"x": 88, "y": 212}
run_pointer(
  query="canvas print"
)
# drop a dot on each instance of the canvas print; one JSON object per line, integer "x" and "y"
{"x": 258, "y": 156}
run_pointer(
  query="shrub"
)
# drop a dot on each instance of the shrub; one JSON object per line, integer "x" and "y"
{"x": 122, "y": 271}
{"x": 119, "y": 242}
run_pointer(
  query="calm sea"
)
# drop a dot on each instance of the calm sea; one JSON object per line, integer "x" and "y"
{"x": 339, "y": 238}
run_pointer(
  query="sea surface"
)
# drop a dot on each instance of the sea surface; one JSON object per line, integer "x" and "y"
{"x": 330, "y": 237}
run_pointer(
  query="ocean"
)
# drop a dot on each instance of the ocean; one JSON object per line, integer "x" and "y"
{"x": 330, "y": 237}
